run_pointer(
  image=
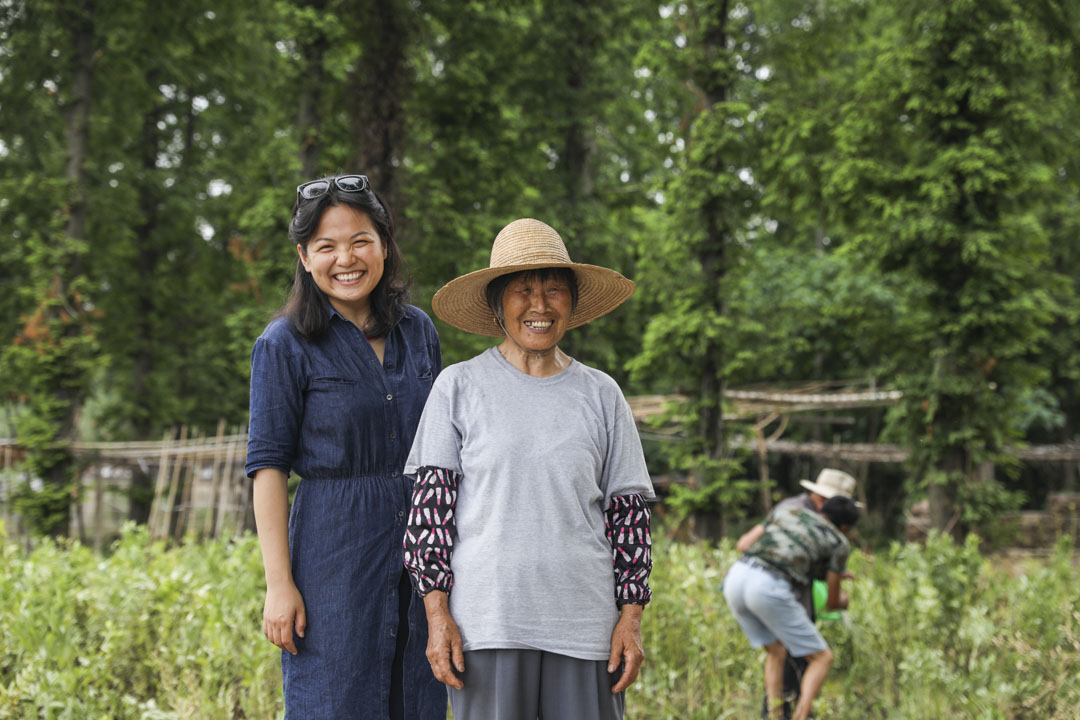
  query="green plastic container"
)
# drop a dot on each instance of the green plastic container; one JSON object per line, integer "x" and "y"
{"x": 821, "y": 597}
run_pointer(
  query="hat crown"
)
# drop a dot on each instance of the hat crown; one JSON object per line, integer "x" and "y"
{"x": 837, "y": 481}
{"x": 528, "y": 242}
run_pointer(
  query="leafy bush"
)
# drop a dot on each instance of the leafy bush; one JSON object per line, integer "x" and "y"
{"x": 934, "y": 631}
{"x": 148, "y": 632}
{"x": 152, "y": 633}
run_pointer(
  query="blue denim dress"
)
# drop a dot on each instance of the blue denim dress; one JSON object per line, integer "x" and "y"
{"x": 328, "y": 411}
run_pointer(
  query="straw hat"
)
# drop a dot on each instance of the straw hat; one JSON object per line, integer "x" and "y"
{"x": 831, "y": 483}
{"x": 527, "y": 244}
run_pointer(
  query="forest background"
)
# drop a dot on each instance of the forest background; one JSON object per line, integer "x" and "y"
{"x": 882, "y": 193}
{"x": 835, "y": 189}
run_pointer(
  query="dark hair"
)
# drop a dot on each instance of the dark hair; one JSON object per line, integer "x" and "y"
{"x": 841, "y": 510}
{"x": 306, "y": 304}
{"x": 493, "y": 293}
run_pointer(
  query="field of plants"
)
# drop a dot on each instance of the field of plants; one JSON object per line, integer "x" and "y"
{"x": 155, "y": 633}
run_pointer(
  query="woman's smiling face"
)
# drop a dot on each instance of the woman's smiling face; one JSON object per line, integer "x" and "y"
{"x": 345, "y": 258}
{"x": 536, "y": 311}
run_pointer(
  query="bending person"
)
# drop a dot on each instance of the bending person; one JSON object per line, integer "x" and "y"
{"x": 529, "y": 533}
{"x": 829, "y": 483}
{"x": 338, "y": 381}
{"x": 763, "y": 590}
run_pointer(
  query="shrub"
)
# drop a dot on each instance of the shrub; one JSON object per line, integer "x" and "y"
{"x": 153, "y": 632}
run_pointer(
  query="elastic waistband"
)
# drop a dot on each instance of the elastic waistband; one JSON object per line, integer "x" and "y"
{"x": 393, "y": 476}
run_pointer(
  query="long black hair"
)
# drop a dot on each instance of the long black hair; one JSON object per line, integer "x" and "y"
{"x": 306, "y": 304}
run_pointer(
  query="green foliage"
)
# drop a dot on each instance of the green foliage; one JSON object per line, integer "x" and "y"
{"x": 708, "y": 201}
{"x": 831, "y": 190}
{"x": 934, "y": 631}
{"x": 146, "y": 632}
{"x": 156, "y": 632}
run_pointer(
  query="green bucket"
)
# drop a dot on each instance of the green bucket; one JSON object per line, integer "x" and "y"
{"x": 821, "y": 597}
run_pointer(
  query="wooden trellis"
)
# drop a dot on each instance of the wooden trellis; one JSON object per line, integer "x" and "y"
{"x": 200, "y": 486}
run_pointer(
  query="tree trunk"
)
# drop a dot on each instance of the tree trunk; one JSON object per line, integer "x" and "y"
{"x": 79, "y": 21}
{"x": 308, "y": 118}
{"x": 578, "y": 146}
{"x": 378, "y": 88}
{"x": 147, "y": 258}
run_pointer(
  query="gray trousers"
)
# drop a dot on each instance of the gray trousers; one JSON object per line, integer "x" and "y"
{"x": 533, "y": 684}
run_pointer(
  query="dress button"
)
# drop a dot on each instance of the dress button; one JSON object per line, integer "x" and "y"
{"x": 393, "y": 474}
{"x": 392, "y": 436}
{"x": 389, "y": 366}
{"x": 389, "y": 397}
{"x": 400, "y": 513}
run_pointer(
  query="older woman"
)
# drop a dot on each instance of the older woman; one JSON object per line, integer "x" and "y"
{"x": 529, "y": 533}
{"x": 338, "y": 382}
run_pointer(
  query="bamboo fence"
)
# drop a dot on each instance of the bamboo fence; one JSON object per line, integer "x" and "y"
{"x": 200, "y": 488}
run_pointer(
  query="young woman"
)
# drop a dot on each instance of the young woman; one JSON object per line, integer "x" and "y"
{"x": 338, "y": 382}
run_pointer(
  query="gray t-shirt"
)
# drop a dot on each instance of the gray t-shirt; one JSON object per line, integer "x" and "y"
{"x": 540, "y": 460}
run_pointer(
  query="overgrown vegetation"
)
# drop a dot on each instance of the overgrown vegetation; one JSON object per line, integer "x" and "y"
{"x": 839, "y": 190}
{"x": 154, "y": 633}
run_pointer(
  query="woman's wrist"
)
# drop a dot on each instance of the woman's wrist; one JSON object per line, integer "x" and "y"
{"x": 436, "y": 602}
{"x": 279, "y": 580}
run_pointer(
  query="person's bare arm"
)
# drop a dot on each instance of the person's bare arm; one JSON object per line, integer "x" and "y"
{"x": 837, "y": 600}
{"x": 284, "y": 607}
{"x": 626, "y": 646}
{"x": 444, "y": 648}
{"x": 749, "y": 538}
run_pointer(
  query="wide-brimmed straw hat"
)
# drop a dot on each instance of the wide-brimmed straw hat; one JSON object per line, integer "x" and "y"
{"x": 831, "y": 483}
{"x": 528, "y": 244}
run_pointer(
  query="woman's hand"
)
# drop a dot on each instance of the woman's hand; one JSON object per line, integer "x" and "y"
{"x": 283, "y": 609}
{"x": 444, "y": 640}
{"x": 626, "y": 647}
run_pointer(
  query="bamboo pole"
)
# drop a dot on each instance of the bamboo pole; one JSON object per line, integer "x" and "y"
{"x": 242, "y": 505}
{"x": 7, "y": 489}
{"x": 156, "y": 510}
{"x": 163, "y": 530}
{"x": 215, "y": 481}
{"x": 188, "y": 492}
{"x": 226, "y": 491}
{"x": 76, "y": 508}
{"x": 99, "y": 508}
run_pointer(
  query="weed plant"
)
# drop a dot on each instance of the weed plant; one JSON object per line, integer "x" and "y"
{"x": 151, "y": 632}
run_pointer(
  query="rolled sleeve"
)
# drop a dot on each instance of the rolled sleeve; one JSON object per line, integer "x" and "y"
{"x": 276, "y": 408}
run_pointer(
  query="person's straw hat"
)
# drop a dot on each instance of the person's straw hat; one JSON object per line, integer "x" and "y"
{"x": 527, "y": 244}
{"x": 831, "y": 483}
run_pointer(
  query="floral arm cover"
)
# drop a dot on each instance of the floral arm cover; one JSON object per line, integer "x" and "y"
{"x": 430, "y": 530}
{"x": 627, "y": 523}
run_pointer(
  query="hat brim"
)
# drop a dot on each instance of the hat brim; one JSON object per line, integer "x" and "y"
{"x": 461, "y": 302}
{"x": 824, "y": 491}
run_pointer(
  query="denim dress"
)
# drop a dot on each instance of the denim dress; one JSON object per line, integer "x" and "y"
{"x": 328, "y": 411}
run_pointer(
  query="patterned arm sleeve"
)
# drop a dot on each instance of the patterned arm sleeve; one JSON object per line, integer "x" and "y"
{"x": 430, "y": 531}
{"x": 627, "y": 522}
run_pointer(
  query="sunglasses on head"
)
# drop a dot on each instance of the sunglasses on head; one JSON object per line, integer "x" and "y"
{"x": 345, "y": 183}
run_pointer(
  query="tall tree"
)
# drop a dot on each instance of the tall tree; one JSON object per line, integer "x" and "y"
{"x": 693, "y": 267}
{"x": 379, "y": 85}
{"x": 946, "y": 157}
{"x": 49, "y": 362}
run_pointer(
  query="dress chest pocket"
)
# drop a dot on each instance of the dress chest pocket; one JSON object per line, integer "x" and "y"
{"x": 330, "y": 396}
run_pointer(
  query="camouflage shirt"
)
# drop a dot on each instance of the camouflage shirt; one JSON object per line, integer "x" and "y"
{"x": 796, "y": 541}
